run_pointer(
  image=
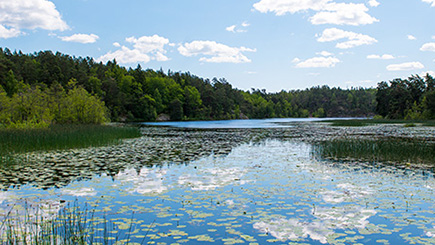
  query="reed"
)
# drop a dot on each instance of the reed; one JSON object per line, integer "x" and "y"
{"x": 59, "y": 137}
{"x": 391, "y": 150}
{"x": 72, "y": 224}
{"x": 367, "y": 122}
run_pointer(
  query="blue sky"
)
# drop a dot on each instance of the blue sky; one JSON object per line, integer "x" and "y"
{"x": 270, "y": 44}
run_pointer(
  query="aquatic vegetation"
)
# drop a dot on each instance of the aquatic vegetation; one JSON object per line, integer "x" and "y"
{"x": 60, "y": 137}
{"x": 54, "y": 222}
{"x": 404, "y": 151}
{"x": 368, "y": 122}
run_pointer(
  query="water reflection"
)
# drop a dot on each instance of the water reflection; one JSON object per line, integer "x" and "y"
{"x": 259, "y": 186}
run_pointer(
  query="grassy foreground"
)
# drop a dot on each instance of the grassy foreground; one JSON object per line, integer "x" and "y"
{"x": 60, "y": 137}
{"x": 69, "y": 224}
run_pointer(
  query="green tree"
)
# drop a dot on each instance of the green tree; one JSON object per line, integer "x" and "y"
{"x": 81, "y": 107}
{"x": 176, "y": 110}
{"x": 10, "y": 84}
{"x": 192, "y": 101}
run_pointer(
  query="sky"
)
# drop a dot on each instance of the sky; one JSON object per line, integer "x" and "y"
{"x": 264, "y": 44}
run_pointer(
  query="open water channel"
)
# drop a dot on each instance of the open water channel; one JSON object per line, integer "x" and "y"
{"x": 247, "y": 182}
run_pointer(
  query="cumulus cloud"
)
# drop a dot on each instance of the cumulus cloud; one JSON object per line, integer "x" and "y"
{"x": 17, "y": 15}
{"x": 353, "y": 39}
{"x": 428, "y": 47}
{"x": 411, "y": 37}
{"x": 8, "y": 33}
{"x": 405, "y": 66}
{"x": 373, "y": 3}
{"x": 343, "y": 14}
{"x": 381, "y": 57}
{"x": 317, "y": 62}
{"x": 145, "y": 49}
{"x": 231, "y": 28}
{"x": 325, "y": 53}
{"x": 81, "y": 38}
{"x": 214, "y": 52}
{"x": 432, "y": 2}
{"x": 281, "y": 7}
{"x": 236, "y": 29}
{"x": 328, "y": 12}
{"x": 245, "y": 24}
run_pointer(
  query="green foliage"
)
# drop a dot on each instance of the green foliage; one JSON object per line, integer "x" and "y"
{"x": 33, "y": 107}
{"x": 412, "y": 98}
{"x": 137, "y": 94}
{"x": 81, "y": 107}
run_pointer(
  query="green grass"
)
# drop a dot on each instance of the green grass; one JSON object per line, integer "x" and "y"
{"x": 367, "y": 122}
{"x": 59, "y": 137}
{"x": 71, "y": 224}
{"x": 390, "y": 150}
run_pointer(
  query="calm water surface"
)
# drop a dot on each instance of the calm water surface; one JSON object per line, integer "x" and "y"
{"x": 252, "y": 123}
{"x": 267, "y": 191}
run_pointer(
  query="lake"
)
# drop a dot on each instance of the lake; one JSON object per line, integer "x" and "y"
{"x": 225, "y": 183}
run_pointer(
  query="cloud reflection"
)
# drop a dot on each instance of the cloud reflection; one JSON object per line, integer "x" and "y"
{"x": 210, "y": 179}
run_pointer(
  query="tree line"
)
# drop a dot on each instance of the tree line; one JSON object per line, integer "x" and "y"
{"x": 411, "y": 98}
{"x": 137, "y": 94}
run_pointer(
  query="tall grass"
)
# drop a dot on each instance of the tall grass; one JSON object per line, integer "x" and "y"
{"x": 367, "y": 122}
{"x": 391, "y": 150}
{"x": 59, "y": 137}
{"x": 70, "y": 225}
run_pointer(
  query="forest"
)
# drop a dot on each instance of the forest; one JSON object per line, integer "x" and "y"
{"x": 412, "y": 98}
{"x": 54, "y": 88}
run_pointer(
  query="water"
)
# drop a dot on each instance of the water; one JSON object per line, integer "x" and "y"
{"x": 252, "y": 123}
{"x": 255, "y": 191}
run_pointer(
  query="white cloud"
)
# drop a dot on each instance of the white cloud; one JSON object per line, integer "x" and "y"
{"x": 125, "y": 56}
{"x": 219, "y": 53}
{"x": 235, "y": 28}
{"x": 296, "y": 60}
{"x": 328, "y": 12}
{"x": 245, "y": 24}
{"x": 8, "y": 33}
{"x": 353, "y": 39}
{"x": 411, "y": 37}
{"x": 325, "y": 53}
{"x": 432, "y": 2}
{"x": 231, "y": 28}
{"x": 81, "y": 38}
{"x": 373, "y": 3}
{"x": 343, "y": 14}
{"x": 116, "y": 44}
{"x": 17, "y": 15}
{"x": 405, "y": 66}
{"x": 318, "y": 62}
{"x": 428, "y": 47}
{"x": 281, "y": 7}
{"x": 145, "y": 49}
{"x": 381, "y": 57}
